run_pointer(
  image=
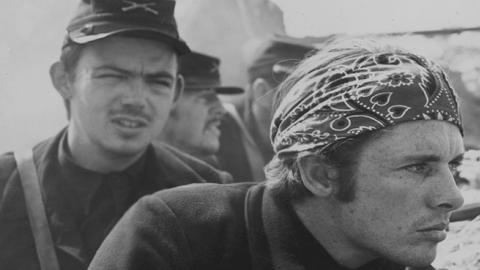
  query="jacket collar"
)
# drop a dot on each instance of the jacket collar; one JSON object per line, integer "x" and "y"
{"x": 293, "y": 247}
{"x": 56, "y": 169}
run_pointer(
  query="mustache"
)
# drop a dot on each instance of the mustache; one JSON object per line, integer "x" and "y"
{"x": 214, "y": 122}
{"x": 217, "y": 117}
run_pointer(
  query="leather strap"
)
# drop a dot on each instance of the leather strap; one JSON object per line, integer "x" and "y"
{"x": 257, "y": 240}
{"x": 36, "y": 211}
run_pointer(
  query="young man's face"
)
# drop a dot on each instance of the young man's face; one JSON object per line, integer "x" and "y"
{"x": 404, "y": 193}
{"x": 121, "y": 94}
{"x": 194, "y": 122}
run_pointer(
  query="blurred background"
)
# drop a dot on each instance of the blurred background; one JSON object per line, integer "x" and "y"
{"x": 32, "y": 32}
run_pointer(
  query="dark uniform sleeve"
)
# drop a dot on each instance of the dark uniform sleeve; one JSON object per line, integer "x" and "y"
{"x": 199, "y": 167}
{"x": 149, "y": 236}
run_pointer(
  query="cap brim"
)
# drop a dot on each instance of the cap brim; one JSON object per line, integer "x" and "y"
{"x": 221, "y": 90}
{"x": 147, "y": 32}
{"x": 229, "y": 90}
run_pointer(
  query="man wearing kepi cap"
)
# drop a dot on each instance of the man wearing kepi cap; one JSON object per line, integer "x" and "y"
{"x": 193, "y": 126}
{"x": 366, "y": 138}
{"x": 244, "y": 143}
{"x": 118, "y": 75}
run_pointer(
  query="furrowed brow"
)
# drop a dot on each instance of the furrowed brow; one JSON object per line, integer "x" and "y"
{"x": 161, "y": 74}
{"x": 112, "y": 68}
{"x": 155, "y": 75}
{"x": 423, "y": 158}
{"x": 430, "y": 158}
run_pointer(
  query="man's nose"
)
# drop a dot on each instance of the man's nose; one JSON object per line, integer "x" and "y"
{"x": 135, "y": 93}
{"x": 446, "y": 194}
{"x": 217, "y": 108}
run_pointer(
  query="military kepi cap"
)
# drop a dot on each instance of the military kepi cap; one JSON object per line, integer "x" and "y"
{"x": 201, "y": 71}
{"x": 277, "y": 55}
{"x": 96, "y": 19}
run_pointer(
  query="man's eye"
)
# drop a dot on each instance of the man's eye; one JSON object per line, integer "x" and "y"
{"x": 110, "y": 76}
{"x": 165, "y": 83}
{"x": 453, "y": 166}
{"x": 420, "y": 168}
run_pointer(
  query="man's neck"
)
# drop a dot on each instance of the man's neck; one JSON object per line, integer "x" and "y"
{"x": 96, "y": 159}
{"x": 321, "y": 223}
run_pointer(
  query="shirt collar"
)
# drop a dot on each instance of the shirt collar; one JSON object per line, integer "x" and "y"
{"x": 74, "y": 170}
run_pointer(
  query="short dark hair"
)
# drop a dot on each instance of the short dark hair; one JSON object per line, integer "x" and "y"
{"x": 70, "y": 56}
{"x": 284, "y": 178}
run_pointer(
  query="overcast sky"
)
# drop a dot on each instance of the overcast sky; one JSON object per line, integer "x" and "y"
{"x": 320, "y": 17}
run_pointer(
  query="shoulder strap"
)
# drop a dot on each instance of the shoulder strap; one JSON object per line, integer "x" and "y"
{"x": 257, "y": 240}
{"x": 36, "y": 211}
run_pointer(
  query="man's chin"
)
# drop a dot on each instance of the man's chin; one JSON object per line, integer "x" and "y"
{"x": 212, "y": 149}
{"x": 125, "y": 148}
{"x": 420, "y": 259}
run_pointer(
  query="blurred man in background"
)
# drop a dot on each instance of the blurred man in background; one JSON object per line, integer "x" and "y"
{"x": 194, "y": 122}
{"x": 118, "y": 75}
{"x": 244, "y": 141}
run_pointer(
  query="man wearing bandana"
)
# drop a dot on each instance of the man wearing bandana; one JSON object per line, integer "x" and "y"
{"x": 366, "y": 139}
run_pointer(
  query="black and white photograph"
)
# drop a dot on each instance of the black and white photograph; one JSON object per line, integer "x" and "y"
{"x": 240, "y": 135}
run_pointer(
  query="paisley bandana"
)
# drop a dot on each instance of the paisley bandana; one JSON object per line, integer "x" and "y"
{"x": 364, "y": 94}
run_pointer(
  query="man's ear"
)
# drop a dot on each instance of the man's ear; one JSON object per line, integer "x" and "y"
{"x": 317, "y": 176}
{"x": 260, "y": 87}
{"x": 60, "y": 80}
{"x": 179, "y": 88}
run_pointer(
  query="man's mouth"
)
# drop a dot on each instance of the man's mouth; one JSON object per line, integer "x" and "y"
{"x": 130, "y": 122}
{"x": 436, "y": 232}
{"x": 436, "y": 227}
{"x": 214, "y": 127}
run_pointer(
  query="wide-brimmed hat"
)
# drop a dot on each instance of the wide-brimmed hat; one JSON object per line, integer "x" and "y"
{"x": 276, "y": 56}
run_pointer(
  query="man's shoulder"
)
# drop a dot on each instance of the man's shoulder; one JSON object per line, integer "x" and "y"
{"x": 7, "y": 166}
{"x": 12, "y": 205}
{"x": 185, "y": 164}
{"x": 7, "y": 159}
{"x": 207, "y": 192}
{"x": 210, "y": 215}
{"x": 7, "y": 163}
{"x": 205, "y": 201}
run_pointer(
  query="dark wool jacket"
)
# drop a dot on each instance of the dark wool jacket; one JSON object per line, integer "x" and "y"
{"x": 208, "y": 226}
{"x": 162, "y": 167}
